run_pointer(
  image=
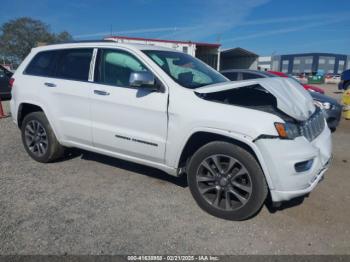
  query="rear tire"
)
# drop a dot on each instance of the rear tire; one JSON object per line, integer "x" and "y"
{"x": 226, "y": 181}
{"x": 39, "y": 139}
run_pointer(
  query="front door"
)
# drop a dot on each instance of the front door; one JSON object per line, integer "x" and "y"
{"x": 125, "y": 120}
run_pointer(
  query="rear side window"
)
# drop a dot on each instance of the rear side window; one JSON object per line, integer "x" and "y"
{"x": 74, "y": 64}
{"x": 233, "y": 76}
{"x": 42, "y": 64}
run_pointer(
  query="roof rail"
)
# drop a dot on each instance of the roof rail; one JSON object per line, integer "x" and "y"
{"x": 83, "y": 41}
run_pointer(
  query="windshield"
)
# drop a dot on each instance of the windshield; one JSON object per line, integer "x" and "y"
{"x": 186, "y": 70}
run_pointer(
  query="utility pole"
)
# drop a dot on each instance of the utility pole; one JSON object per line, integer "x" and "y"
{"x": 218, "y": 40}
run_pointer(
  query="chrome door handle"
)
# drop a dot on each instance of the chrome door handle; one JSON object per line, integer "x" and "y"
{"x": 50, "y": 84}
{"x": 101, "y": 92}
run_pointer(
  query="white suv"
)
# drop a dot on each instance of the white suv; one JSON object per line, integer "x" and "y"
{"x": 236, "y": 141}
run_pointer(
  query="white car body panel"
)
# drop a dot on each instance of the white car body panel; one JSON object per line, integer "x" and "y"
{"x": 293, "y": 184}
{"x": 152, "y": 128}
{"x": 70, "y": 106}
{"x": 130, "y": 115}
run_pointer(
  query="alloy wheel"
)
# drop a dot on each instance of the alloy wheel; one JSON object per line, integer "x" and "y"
{"x": 224, "y": 182}
{"x": 36, "y": 138}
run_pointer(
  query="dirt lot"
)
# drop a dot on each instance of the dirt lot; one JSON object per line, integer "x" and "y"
{"x": 92, "y": 204}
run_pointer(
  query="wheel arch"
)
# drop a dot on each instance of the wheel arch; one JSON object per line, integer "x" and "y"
{"x": 27, "y": 107}
{"x": 200, "y": 138}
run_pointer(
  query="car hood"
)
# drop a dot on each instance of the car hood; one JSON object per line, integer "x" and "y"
{"x": 291, "y": 97}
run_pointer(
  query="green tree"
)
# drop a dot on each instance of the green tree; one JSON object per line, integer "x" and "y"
{"x": 19, "y": 36}
{"x": 63, "y": 37}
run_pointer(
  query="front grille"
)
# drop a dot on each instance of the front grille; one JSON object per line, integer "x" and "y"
{"x": 312, "y": 127}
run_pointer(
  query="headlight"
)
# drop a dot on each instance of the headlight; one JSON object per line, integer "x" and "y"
{"x": 323, "y": 105}
{"x": 318, "y": 104}
{"x": 287, "y": 130}
{"x": 326, "y": 105}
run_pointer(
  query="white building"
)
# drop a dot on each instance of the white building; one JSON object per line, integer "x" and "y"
{"x": 207, "y": 52}
{"x": 264, "y": 63}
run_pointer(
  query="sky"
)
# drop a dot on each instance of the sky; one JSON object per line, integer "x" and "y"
{"x": 266, "y": 27}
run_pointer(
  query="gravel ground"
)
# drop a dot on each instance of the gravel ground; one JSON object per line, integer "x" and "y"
{"x": 92, "y": 204}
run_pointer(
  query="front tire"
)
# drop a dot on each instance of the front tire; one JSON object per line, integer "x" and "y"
{"x": 39, "y": 139}
{"x": 226, "y": 181}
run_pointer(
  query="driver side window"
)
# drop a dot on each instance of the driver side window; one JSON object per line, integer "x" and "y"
{"x": 115, "y": 67}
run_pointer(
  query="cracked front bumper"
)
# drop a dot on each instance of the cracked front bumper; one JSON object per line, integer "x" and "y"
{"x": 278, "y": 196}
{"x": 281, "y": 156}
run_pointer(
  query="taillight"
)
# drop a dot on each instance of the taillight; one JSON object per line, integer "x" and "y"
{"x": 12, "y": 80}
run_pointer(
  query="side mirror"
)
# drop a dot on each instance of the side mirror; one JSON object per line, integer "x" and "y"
{"x": 142, "y": 79}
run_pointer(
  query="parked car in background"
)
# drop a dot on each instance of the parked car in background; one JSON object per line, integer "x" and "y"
{"x": 302, "y": 78}
{"x": 332, "y": 78}
{"x": 296, "y": 76}
{"x": 331, "y": 107}
{"x": 244, "y": 74}
{"x": 168, "y": 110}
{"x": 306, "y": 86}
{"x": 5, "y": 89}
{"x": 344, "y": 83}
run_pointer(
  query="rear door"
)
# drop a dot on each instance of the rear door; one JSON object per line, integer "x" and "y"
{"x": 70, "y": 94}
{"x": 125, "y": 120}
{"x": 61, "y": 81}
